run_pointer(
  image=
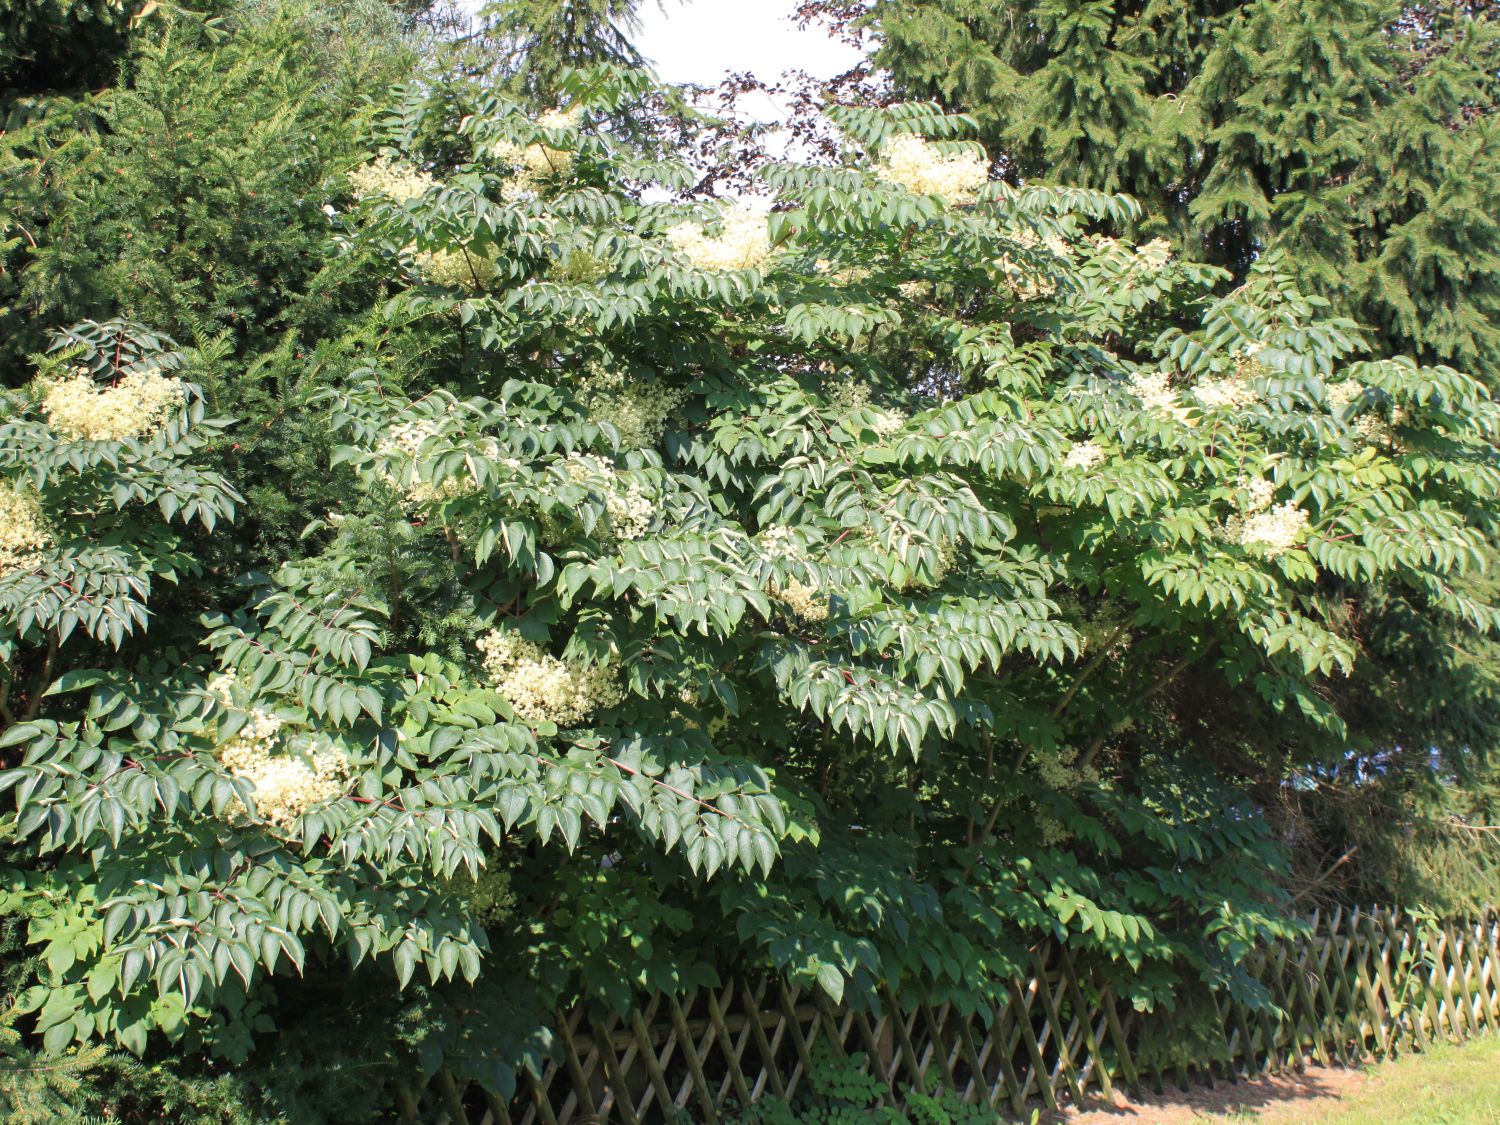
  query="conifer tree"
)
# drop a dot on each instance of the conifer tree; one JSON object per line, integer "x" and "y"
{"x": 1357, "y": 135}
{"x": 542, "y": 40}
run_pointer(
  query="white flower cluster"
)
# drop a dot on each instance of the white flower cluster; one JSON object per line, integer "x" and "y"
{"x": 1273, "y": 531}
{"x": 221, "y": 687}
{"x": 1024, "y": 282}
{"x": 1259, "y": 492}
{"x": 1083, "y": 455}
{"x": 1028, "y": 239}
{"x": 1154, "y": 390}
{"x": 1154, "y": 254}
{"x": 407, "y": 437}
{"x": 947, "y": 559}
{"x": 578, "y": 266}
{"x": 1226, "y": 394}
{"x": 631, "y": 511}
{"x": 920, "y": 167}
{"x": 457, "y": 269}
{"x": 1341, "y": 395}
{"x": 134, "y": 407}
{"x": 1157, "y": 394}
{"x": 807, "y": 603}
{"x": 947, "y": 551}
{"x": 23, "y": 533}
{"x": 1056, "y": 767}
{"x": 1375, "y": 430}
{"x": 780, "y": 542}
{"x": 405, "y": 440}
{"x": 638, "y": 410}
{"x": 561, "y": 119}
{"x": 850, "y": 396}
{"x": 1133, "y": 260}
{"x": 286, "y": 784}
{"x": 540, "y": 161}
{"x": 391, "y": 178}
{"x": 631, "y": 508}
{"x": 1027, "y": 286}
{"x": 543, "y": 688}
{"x": 742, "y": 244}
{"x": 536, "y": 162}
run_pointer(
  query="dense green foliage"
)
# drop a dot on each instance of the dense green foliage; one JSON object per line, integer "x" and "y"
{"x": 1357, "y": 140}
{"x": 48, "y": 45}
{"x": 540, "y": 41}
{"x": 444, "y": 574}
{"x": 1358, "y": 136}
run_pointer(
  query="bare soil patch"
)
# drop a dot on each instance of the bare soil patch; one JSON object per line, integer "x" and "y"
{"x": 1277, "y": 1098}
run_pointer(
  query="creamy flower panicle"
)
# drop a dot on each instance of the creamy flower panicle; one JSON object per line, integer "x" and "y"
{"x": 1154, "y": 255}
{"x": 136, "y": 406}
{"x": 807, "y": 603}
{"x": 947, "y": 559}
{"x": 1159, "y": 396}
{"x": 1258, "y": 493}
{"x": 1026, "y": 284}
{"x": 1272, "y": 532}
{"x": 538, "y": 162}
{"x": 1261, "y": 527}
{"x": 780, "y": 542}
{"x": 1083, "y": 455}
{"x": 561, "y": 119}
{"x": 1342, "y": 395}
{"x": 631, "y": 511}
{"x": 743, "y": 243}
{"x": 1378, "y": 431}
{"x": 1136, "y": 261}
{"x": 457, "y": 269}
{"x": 630, "y": 507}
{"x": 1024, "y": 281}
{"x": 405, "y": 440}
{"x": 23, "y": 532}
{"x": 638, "y": 410}
{"x": 541, "y": 687}
{"x": 287, "y": 783}
{"x": 921, "y": 167}
{"x": 851, "y": 396}
{"x": 1228, "y": 393}
{"x": 392, "y": 178}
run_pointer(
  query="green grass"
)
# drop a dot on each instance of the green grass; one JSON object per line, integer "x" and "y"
{"x": 1446, "y": 1086}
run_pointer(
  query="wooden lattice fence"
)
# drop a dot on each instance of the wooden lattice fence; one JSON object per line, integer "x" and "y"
{"x": 1364, "y": 985}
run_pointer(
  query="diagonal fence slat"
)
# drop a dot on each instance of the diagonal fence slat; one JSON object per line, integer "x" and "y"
{"x": 1359, "y": 984}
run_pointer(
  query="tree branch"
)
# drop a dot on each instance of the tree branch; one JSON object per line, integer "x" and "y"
{"x": 43, "y": 678}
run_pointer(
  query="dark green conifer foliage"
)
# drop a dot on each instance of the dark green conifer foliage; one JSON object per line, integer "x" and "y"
{"x": 543, "y": 39}
{"x": 55, "y": 45}
{"x": 1357, "y": 135}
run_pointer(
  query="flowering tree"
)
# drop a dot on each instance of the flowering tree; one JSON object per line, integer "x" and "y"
{"x": 821, "y": 584}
